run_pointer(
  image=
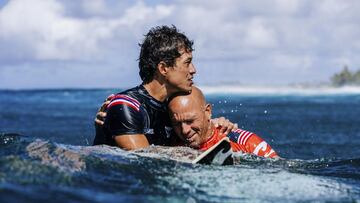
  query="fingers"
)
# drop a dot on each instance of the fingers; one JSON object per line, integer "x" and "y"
{"x": 100, "y": 117}
{"x": 231, "y": 127}
{"x": 104, "y": 105}
{"x": 106, "y": 102}
{"x": 99, "y": 122}
{"x": 218, "y": 121}
{"x": 110, "y": 97}
{"x": 101, "y": 114}
{"x": 226, "y": 126}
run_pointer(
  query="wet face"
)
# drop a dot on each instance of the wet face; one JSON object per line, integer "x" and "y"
{"x": 180, "y": 77}
{"x": 190, "y": 121}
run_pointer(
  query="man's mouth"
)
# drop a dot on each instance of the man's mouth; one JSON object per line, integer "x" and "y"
{"x": 191, "y": 80}
{"x": 190, "y": 138}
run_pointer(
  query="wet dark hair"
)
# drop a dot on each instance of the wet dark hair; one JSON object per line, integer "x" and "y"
{"x": 161, "y": 43}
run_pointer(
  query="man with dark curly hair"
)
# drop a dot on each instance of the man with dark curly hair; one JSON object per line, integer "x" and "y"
{"x": 138, "y": 117}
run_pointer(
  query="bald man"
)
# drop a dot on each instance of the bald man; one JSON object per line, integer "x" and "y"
{"x": 191, "y": 115}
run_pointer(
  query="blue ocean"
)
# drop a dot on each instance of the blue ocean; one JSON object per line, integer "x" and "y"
{"x": 46, "y": 152}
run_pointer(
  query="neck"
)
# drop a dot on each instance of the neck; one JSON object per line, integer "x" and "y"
{"x": 210, "y": 132}
{"x": 157, "y": 90}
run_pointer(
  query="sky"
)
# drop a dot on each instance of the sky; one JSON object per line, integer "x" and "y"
{"x": 94, "y": 43}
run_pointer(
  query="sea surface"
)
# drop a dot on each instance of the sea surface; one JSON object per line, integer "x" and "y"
{"x": 46, "y": 153}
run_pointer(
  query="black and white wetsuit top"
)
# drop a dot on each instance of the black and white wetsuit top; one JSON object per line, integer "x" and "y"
{"x": 134, "y": 111}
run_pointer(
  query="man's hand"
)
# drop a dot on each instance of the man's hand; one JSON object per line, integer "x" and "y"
{"x": 101, "y": 114}
{"x": 225, "y": 125}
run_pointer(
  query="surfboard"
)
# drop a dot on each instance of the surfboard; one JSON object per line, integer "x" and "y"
{"x": 219, "y": 154}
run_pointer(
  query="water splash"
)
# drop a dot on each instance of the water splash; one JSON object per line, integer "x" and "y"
{"x": 103, "y": 173}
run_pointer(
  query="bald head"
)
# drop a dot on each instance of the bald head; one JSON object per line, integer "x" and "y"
{"x": 190, "y": 116}
{"x": 195, "y": 98}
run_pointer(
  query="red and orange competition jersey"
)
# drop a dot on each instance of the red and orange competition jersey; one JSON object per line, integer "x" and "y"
{"x": 243, "y": 141}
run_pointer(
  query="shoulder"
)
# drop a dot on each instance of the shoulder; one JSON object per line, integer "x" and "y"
{"x": 239, "y": 136}
{"x": 126, "y": 115}
{"x": 124, "y": 100}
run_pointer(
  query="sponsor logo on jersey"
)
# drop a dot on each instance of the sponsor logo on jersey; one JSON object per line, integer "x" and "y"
{"x": 149, "y": 131}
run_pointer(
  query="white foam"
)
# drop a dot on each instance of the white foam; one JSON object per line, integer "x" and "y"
{"x": 281, "y": 90}
{"x": 261, "y": 184}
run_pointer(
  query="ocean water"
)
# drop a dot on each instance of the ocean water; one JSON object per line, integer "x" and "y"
{"x": 46, "y": 153}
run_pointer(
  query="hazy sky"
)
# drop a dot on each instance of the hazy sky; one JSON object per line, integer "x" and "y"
{"x": 94, "y": 43}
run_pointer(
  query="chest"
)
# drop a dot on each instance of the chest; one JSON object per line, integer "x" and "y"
{"x": 158, "y": 126}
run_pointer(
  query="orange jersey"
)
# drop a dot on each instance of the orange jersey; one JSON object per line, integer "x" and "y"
{"x": 243, "y": 141}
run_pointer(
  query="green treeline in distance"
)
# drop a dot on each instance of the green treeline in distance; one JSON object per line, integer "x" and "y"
{"x": 346, "y": 77}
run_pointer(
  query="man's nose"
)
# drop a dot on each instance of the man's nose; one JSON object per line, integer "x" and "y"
{"x": 185, "y": 128}
{"x": 192, "y": 69}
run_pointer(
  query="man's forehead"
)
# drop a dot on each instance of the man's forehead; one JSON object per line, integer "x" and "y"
{"x": 184, "y": 115}
{"x": 184, "y": 53}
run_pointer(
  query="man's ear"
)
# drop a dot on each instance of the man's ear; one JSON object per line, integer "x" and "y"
{"x": 208, "y": 110}
{"x": 163, "y": 68}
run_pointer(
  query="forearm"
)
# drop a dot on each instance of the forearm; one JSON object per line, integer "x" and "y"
{"x": 253, "y": 144}
{"x": 131, "y": 142}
